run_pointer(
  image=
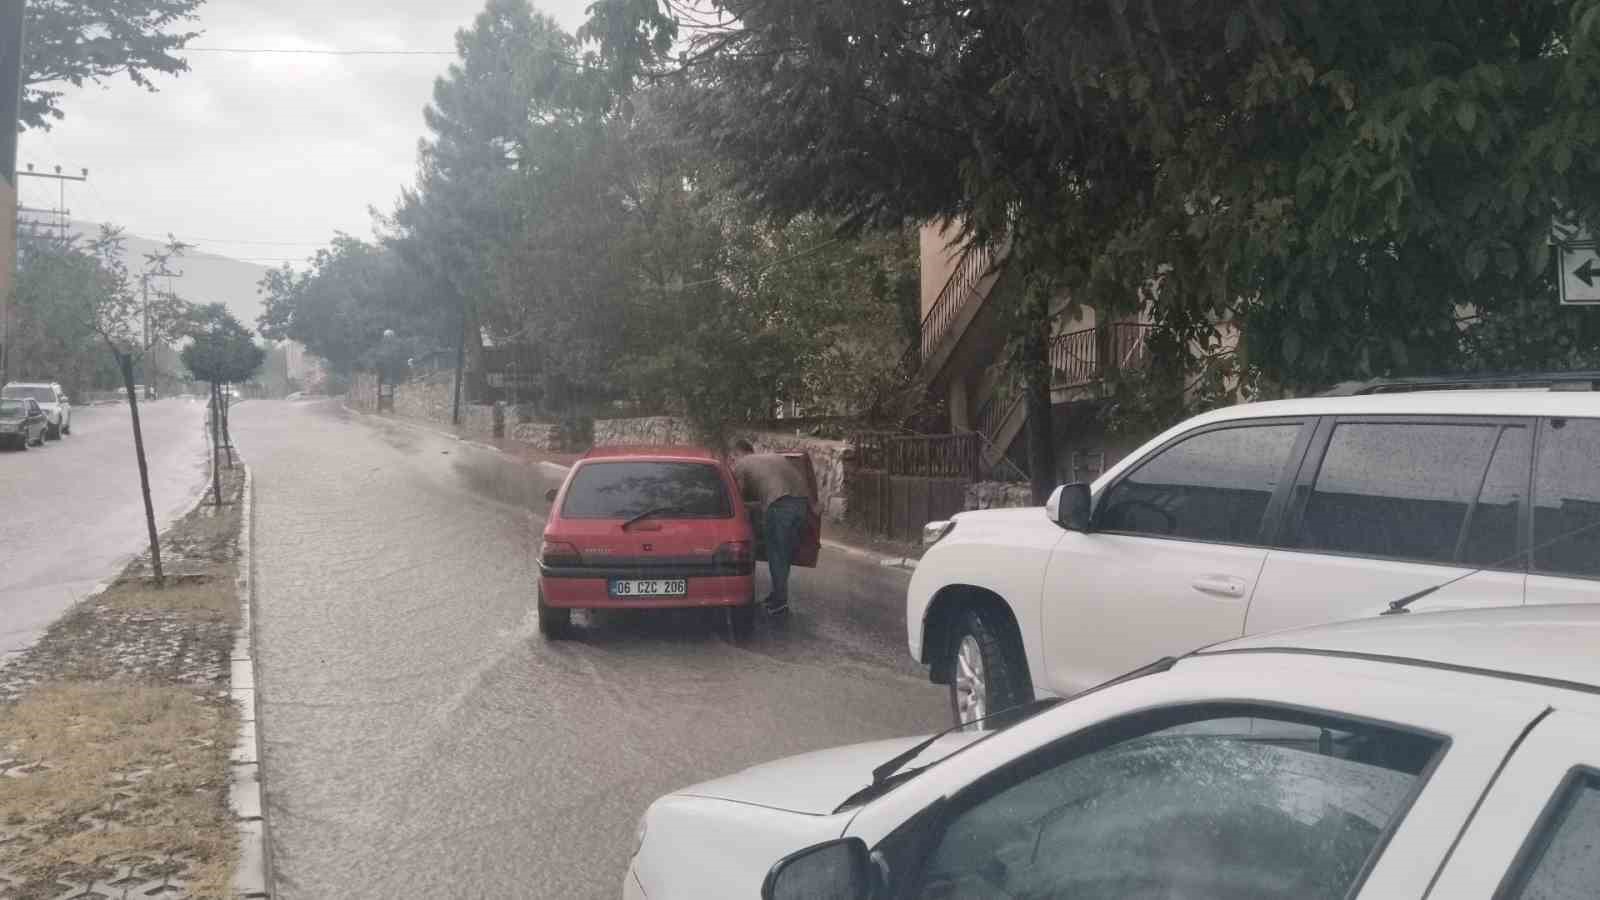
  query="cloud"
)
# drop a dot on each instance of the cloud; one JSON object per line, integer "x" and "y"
{"x": 261, "y": 147}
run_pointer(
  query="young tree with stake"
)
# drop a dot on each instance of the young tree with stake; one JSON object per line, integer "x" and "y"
{"x": 117, "y": 315}
{"x": 220, "y": 352}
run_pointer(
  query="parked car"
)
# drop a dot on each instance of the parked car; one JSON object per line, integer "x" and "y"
{"x": 1265, "y": 516}
{"x": 1446, "y": 754}
{"x": 636, "y": 528}
{"x": 22, "y": 422}
{"x": 50, "y": 397}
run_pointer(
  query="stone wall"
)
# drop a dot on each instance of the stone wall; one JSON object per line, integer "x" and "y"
{"x": 651, "y": 431}
{"x": 429, "y": 397}
{"x": 998, "y": 495}
{"x": 828, "y": 458}
{"x": 538, "y": 435}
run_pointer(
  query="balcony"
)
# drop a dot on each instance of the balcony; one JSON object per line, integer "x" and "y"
{"x": 1078, "y": 360}
{"x": 1082, "y": 358}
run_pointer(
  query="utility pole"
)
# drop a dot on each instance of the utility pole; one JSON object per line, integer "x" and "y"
{"x": 149, "y": 358}
{"x": 11, "y": 45}
{"x": 61, "y": 185}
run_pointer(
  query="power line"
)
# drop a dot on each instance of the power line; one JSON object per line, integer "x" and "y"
{"x": 319, "y": 52}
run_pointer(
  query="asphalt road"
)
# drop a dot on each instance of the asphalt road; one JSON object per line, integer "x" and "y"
{"x": 70, "y": 511}
{"x": 422, "y": 740}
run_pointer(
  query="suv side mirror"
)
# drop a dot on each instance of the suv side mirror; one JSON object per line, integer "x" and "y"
{"x": 1070, "y": 506}
{"x": 838, "y": 868}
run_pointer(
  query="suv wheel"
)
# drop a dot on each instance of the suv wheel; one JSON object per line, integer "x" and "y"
{"x": 986, "y": 669}
{"x": 554, "y": 622}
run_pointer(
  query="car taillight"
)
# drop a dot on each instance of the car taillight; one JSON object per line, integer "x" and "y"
{"x": 558, "y": 553}
{"x": 736, "y": 555}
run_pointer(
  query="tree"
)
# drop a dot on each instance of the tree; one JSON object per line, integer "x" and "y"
{"x": 78, "y": 41}
{"x": 1359, "y": 187}
{"x": 220, "y": 352}
{"x": 116, "y": 315}
{"x": 50, "y": 335}
{"x": 353, "y": 292}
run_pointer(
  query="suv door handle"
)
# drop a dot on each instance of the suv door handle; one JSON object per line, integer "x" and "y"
{"x": 1226, "y": 585}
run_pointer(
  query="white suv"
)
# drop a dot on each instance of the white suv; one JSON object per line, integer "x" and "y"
{"x": 51, "y": 399}
{"x": 1265, "y": 516}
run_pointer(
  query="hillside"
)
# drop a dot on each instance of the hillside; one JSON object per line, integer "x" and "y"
{"x": 207, "y": 278}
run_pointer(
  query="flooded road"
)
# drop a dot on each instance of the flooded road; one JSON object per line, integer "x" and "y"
{"x": 72, "y": 511}
{"x": 421, "y": 739}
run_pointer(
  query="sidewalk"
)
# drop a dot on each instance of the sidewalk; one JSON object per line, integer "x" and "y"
{"x": 117, "y": 727}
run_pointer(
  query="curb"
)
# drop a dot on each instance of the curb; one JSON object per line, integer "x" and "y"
{"x": 253, "y": 877}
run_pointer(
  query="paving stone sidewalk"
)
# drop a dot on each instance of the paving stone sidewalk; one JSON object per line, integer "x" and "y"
{"x": 116, "y": 729}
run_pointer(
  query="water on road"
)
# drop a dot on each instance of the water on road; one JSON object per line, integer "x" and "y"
{"x": 71, "y": 514}
{"x": 421, "y": 739}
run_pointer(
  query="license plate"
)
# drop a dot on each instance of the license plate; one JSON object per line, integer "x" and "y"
{"x": 656, "y": 587}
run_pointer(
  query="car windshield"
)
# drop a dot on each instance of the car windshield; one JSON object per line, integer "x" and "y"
{"x": 13, "y": 409}
{"x": 25, "y": 392}
{"x": 623, "y": 490}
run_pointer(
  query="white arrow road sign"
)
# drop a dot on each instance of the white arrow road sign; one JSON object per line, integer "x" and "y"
{"x": 1580, "y": 274}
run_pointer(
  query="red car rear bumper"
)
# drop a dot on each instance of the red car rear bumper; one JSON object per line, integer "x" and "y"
{"x": 595, "y": 593}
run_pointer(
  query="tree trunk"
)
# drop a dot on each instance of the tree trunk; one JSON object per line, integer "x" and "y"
{"x": 227, "y": 436}
{"x": 461, "y": 366}
{"x": 1036, "y": 379}
{"x": 125, "y": 364}
{"x": 216, "y": 439}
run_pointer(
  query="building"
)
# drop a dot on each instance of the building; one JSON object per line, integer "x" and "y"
{"x": 962, "y": 362}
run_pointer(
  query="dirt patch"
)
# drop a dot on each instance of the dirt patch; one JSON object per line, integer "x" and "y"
{"x": 103, "y": 781}
{"x": 116, "y": 730}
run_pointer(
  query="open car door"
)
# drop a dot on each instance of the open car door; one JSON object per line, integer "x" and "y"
{"x": 810, "y": 546}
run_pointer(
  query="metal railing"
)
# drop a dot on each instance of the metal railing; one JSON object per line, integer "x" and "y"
{"x": 1084, "y": 357}
{"x": 957, "y": 292}
{"x": 996, "y": 408}
{"x": 932, "y": 455}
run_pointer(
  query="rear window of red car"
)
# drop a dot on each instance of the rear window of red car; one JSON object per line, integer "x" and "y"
{"x": 628, "y": 488}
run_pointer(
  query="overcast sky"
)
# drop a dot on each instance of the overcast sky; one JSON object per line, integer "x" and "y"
{"x": 261, "y": 156}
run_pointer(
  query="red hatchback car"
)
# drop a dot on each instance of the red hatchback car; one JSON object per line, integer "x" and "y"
{"x": 635, "y": 528}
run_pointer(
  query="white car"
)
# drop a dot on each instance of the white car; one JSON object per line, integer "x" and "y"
{"x": 1448, "y": 755}
{"x": 1266, "y": 516}
{"x": 50, "y": 397}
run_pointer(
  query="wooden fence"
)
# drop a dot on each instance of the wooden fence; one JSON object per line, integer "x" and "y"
{"x": 900, "y": 482}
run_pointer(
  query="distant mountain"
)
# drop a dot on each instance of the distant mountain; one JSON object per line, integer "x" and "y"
{"x": 207, "y": 277}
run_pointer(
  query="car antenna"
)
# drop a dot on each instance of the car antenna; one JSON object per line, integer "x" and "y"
{"x": 1399, "y": 606}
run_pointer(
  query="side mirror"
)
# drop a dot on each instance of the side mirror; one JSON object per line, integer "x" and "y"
{"x": 1070, "y": 506}
{"x": 838, "y": 869}
{"x": 550, "y": 495}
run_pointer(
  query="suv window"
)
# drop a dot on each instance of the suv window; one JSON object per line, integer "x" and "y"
{"x": 1407, "y": 490}
{"x": 1562, "y": 861}
{"x": 1214, "y": 486}
{"x": 1567, "y": 498}
{"x": 624, "y": 489}
{"x": 19, "y": 392}
{"x": 1235, "y": 805}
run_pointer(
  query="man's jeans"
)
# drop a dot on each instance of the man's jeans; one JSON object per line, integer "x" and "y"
{"x": 782, "y": 525}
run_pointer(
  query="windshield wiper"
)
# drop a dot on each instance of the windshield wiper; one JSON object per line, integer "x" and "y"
{"x": 1032, "y": 707}
{"x": 1399, "y": 606}
{"x": 658, "y": 511}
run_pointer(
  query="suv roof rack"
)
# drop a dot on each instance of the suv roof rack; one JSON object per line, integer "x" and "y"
{"x": 1582, "y": 380}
